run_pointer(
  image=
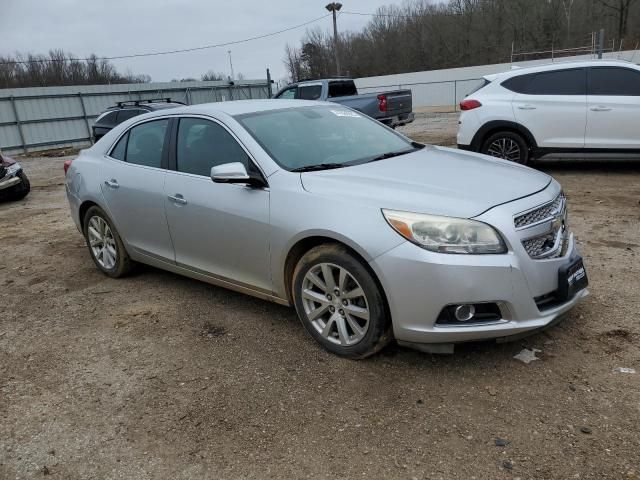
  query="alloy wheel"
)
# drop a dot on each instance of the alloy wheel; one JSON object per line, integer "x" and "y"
{"x": 505, "y": 148}
{"x": 335, "y": 304}
{"x": 102, "y": 243}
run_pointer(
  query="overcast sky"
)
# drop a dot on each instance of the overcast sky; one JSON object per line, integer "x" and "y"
{"x": 121, "y": 27}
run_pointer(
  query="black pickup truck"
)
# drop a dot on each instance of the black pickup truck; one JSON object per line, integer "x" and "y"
{"x": 393, "y": 108}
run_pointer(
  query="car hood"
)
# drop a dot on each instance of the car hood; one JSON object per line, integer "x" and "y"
{"x": 435, "y": 180}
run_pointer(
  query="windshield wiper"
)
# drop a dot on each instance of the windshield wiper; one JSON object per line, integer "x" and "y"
{"x": 320, "y": 166}
{"x": 384, "y": 156}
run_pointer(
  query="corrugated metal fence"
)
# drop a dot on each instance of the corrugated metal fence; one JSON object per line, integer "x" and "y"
{"x": 34, "y": 119}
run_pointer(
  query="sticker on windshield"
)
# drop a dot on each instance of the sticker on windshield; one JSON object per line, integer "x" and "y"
{"x": 345, "y": 113}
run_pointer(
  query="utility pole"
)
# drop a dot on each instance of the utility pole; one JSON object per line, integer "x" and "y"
{"x": 600, "y": 43}
{"x": 334, "y": 7}
{"x": 230, "y": 64}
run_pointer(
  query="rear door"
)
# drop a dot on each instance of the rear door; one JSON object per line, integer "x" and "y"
{"x": 613, "y": 114}
{"x": 552, "y": 105}
{"x": 133, "y": 175}
{"x": 217, "y": 229}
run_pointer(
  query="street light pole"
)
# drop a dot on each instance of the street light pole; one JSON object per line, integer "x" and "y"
{"x": 230, "y": 64}
{"x": 334, "y": 7}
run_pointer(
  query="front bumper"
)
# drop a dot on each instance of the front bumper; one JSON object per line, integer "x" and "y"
{"x": 419, "y": 284}
{"x": 6, "y": 183}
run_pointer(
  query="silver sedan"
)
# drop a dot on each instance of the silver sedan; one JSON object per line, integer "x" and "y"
{"x": 372, "y": 237}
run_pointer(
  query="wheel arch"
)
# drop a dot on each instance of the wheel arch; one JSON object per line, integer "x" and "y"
{"x": 495, "y": 126}
{"x": 84, "y": 208}
{"x": 303, "y": 245}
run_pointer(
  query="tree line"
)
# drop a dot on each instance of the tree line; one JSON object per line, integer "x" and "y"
{"x": 425, "y": 35}
{"x": 59, "y": 68}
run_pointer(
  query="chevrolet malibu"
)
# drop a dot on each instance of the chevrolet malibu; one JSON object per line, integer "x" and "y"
{"x": 372, "y": 237}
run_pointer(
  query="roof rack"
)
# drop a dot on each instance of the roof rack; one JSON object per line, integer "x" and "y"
{"x": 149, "y": 100}
{"x": 313, "y": 79}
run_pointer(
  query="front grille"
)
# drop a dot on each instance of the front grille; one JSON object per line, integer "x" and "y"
{"x": 542, "y": 213}
{"x": 544, "y": 229}
{"x": 538, "y": 246}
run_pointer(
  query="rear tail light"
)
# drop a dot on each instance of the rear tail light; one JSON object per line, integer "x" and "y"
{"x": 382, "y": 103}
{"x": 67, "y": 164}
{"x": 469, "y": 104}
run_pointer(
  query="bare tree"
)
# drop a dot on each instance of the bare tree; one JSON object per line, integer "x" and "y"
{"x": 212, "y": 76}
{"x": 60, "y": 68}
{"x": 621, "y": 10}
{"x": 425, "y": 34}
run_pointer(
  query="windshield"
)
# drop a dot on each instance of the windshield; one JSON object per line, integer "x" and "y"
{"x": 332, "y": 136}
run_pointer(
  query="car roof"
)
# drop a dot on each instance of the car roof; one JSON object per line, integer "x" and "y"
{"x": 241, "y": 107}
{"x": 516, "y": 70}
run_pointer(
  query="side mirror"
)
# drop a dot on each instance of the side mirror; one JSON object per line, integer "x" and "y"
{"x": 230, "y": 173}
{"x": 237, "y": 173}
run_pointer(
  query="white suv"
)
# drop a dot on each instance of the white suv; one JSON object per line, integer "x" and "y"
{"x": 564, "y": 108}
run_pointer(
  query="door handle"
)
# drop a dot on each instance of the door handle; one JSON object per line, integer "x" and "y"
{"x": 177, "y": 198}
{"x": 600, "y": 108}
{"x": 113, "y": 183}
{"x": 526, "y": 107}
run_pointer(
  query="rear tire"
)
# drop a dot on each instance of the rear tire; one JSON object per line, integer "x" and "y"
{"x": 508, "y": 146}
{"x": 339, "y": 303}
{"x": 104, "y": 243}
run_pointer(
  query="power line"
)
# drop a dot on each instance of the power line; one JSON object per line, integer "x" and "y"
{"x": 399, "y": 15}
{"x": 169, "y": 52}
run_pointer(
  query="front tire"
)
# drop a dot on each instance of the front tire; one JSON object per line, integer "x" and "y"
{"x": 508, "y": 146}
{"x": 339, "y": 302}
{"x": 104, "y": 243}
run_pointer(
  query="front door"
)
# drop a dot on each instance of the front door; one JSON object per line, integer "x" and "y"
{"x": 217, "y": 229}
{"x": 132, "y": 182}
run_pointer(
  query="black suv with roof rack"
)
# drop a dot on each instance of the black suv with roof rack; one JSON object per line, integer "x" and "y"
{"x": 122, "y": 111}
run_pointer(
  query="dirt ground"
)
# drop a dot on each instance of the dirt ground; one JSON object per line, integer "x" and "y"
{"x": 157, "y": 376}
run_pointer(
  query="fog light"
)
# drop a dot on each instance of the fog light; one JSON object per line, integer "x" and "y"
{"x": 464, "y": 313}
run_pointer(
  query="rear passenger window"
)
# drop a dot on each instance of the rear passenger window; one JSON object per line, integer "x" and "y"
{"x": 120, "y": 149}
{"x": 311, "y": 92}
{"x": 342, "y": 89}
{"x": 146, "y": 142}
{"x": 517, "y": 84}
{"x": 109, "y": 119}
{"x": 124, "y": 115}
{"x": 203, "y": 144}
{"x": 557, "y": 82}
{"x": 614, "y": 81}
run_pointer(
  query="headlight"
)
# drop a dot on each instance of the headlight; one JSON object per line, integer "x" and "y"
{"x": 446, "y": 234}
{"x": 13, "y": 169}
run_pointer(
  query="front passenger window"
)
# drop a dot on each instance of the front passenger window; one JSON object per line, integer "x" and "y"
{"x": 288, "y": 94}
{"x": 203, "y": 144}
{"x": 146, "y": 142}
